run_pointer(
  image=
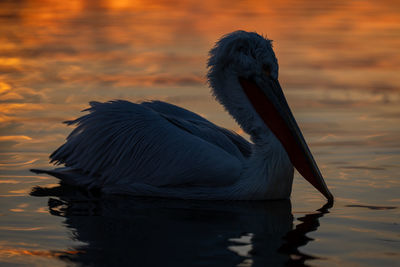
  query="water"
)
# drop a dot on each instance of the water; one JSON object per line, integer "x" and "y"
{"x": 339, "y": 68}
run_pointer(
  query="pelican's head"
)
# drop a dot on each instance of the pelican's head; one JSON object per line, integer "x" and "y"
{"x": 244, "y": 54}
{"x": 243, "y": 74}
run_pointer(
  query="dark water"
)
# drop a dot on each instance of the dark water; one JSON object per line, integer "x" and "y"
{"x": 339, "y": 67}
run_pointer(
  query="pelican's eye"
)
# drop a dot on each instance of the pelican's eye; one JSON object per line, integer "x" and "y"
{"x": 267, "y": 70}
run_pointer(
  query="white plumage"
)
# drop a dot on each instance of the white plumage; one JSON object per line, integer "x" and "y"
{"x": 158, "y": 149}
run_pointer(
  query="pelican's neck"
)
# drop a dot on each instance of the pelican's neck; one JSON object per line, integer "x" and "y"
{"x": 268, "y": 173}
{"x": 228, "y": 91}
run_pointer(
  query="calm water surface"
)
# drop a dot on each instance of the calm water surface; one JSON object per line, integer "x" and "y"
{"x": 339, "y": 67}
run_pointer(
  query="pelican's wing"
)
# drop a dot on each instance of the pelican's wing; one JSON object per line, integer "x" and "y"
{"x": 172, "y": 110}
{"x": 204, "y": 128}
{"x": 120, "y": 142}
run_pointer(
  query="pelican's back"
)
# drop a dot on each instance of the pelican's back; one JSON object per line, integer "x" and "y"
{"x": 152, "y": 143}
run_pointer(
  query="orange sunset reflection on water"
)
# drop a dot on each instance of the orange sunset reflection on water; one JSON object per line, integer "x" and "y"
{"x": 339, "y": 67}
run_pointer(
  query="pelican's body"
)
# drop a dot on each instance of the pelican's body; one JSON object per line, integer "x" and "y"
{"x": 158, "y": 149}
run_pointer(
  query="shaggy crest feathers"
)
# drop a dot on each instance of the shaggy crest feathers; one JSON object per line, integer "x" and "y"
{"x": 242, "y": 52}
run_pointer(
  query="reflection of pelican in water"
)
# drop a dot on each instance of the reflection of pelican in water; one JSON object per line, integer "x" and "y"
{"x": 158, "y": 149}
{"x": 120, "y": 230}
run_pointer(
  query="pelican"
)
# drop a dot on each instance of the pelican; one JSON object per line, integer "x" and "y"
{"x": 158, "y": 149}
